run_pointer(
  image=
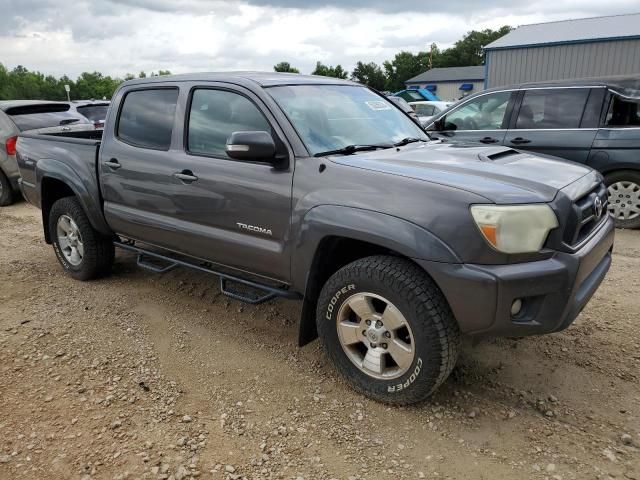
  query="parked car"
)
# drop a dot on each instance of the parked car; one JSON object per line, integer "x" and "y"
{"x": 397, "y": 244}
{"x": 595, "y": 122}
{"x": 404, "y": 106}
{"x": 29, "y": 115}
{"x": 94, "y": 110}
{"x": 426, "y": 110}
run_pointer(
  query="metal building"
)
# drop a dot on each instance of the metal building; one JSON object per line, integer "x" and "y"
{"x": 449, "y": 83}
{"x": 588, "y": 47}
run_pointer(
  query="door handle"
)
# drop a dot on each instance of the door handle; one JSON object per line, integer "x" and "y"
{"x": 489, "y": 140}
{"x": 113, "y": 164}
{"x": 185, "y": 176}
{"x": 520, "y": 141}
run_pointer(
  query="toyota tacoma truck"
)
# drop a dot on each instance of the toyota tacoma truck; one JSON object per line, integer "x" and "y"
{"x": 323, "y": 190}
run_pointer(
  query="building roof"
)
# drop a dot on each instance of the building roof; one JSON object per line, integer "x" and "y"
{"x": 582, "y": 30}
{"x": 450, "y": 74}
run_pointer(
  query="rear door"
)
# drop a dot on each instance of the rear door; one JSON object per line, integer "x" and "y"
{"x": 137, "y": 163}
{"x": 483, "y": 119}
{"x": 549, "y": 121}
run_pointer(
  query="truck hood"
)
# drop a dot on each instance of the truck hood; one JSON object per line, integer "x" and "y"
{"x": 500, "y": 174}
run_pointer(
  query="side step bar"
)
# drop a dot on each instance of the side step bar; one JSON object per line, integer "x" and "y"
{"x": 158, "y": 263}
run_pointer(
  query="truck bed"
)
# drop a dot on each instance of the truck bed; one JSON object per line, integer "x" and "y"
{"x": 71, "y": 156}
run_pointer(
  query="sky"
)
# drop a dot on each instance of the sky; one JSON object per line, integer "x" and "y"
{"x": 116, "y": 37}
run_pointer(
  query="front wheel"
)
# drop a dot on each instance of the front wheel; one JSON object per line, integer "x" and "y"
{"x": 388, "y": 329}
{"x": 623, "y": 190}
{"x": 82, "y": 251}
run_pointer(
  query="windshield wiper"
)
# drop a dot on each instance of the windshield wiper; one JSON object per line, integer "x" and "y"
{"x": 408, "y": 140}
{"x": 349, "y": 149}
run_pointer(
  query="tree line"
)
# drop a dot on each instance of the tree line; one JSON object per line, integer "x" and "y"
{"x": 21, "y": 83}
{"x": 393, "y": 73}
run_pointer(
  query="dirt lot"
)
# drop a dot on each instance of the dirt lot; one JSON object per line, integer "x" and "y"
{"x": 143, "y": 376}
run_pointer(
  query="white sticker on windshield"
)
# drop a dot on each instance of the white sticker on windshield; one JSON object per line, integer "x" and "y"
{"x": 378, "y": 105}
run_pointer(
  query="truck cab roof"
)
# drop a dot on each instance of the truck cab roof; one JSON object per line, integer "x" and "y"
{"x": 264, "y": 79}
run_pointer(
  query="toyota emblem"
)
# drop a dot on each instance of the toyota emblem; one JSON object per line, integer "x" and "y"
{"x": 597, "y": 207}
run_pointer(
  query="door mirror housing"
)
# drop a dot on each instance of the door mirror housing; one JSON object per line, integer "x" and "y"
{"x": 251, "y": 146}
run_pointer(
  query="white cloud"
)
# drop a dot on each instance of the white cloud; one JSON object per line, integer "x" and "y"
{"x": 120, "y": 36}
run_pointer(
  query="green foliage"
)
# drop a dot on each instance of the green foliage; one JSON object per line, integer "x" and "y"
{"x": 285, "y": 67}
{"x": 22, "y": 84}
{"x": 329, "y": 71}
{"x": 468, "y": 50}
{"x": 404, "y": 66}
{"x": 369, "y": 74}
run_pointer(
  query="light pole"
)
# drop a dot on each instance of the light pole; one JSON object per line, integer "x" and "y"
{"x": 67, "y": 89}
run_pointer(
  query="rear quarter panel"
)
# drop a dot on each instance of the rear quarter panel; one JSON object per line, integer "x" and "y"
{"x": 71, "y": 161}
{"x": 616, "y": 149}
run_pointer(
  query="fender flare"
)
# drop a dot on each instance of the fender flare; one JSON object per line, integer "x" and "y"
{"x": 383, "y": 230}
{"x": 387, "y": 231}
{"x": 48, "y": 168}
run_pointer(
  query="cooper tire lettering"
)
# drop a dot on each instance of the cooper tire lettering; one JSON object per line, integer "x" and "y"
{"x": 336, "y": 297}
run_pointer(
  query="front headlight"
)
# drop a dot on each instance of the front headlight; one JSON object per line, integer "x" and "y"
{"x": 515, "y": 228}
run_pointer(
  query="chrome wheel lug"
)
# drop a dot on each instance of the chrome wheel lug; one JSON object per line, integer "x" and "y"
{"x": 387, "y": 335}
{"x": 379, "y": 324}
{"x": 368, "y": 322}
{"x": 384, "y": 345}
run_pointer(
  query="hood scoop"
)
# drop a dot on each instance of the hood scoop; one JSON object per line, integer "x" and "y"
{"x": 498, "y": 155}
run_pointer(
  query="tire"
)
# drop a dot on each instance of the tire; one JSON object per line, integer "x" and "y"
{"x": 624, "y": 187}
{"x": 94, "y": 252}
{"x": 6, "y": 191}
{"x": 397, "y": 292}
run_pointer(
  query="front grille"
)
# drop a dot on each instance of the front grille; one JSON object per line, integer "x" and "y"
{"x": 585, "y": 215}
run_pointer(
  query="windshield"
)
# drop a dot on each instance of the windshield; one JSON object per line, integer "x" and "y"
{"x": 331, "y": 117}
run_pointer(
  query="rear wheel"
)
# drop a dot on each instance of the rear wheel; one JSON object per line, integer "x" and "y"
{"x": 82, "y": 251}
{"x": 388, "y": 329}
{"x": 6, "y": 192}
{"x": 623, "y": 189}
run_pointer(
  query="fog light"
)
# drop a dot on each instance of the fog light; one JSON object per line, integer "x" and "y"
{"x": 516, "y": 306}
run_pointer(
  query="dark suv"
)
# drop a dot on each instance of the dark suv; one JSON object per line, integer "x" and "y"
{"x": 596, "y": 122}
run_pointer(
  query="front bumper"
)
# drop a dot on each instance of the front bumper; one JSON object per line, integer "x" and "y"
{"x": 554, "y": 291}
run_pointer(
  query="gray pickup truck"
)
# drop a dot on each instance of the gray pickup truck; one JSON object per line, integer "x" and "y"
{"x": 321, "y": 189}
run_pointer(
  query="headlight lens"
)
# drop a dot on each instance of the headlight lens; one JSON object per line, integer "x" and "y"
{"x": 515, "y": 228}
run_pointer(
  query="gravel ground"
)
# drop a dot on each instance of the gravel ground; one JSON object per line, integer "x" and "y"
{"x": 161, "y": 377}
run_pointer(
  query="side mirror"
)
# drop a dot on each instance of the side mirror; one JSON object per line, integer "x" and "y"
{"x": 251, "y": 146}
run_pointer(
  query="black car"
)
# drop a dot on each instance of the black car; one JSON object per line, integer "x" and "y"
{"x": 591, "y": 121}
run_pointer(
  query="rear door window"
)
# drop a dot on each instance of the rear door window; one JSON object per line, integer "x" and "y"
{"x": 552, "y": 108}
{"x": 215, "y": 115}
{"x": 485, "y": 112}
{"x": 146, "y": 118}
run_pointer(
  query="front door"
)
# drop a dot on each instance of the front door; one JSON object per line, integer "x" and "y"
{"x": 238, "y": 213}
{"x": 481, "y": 119}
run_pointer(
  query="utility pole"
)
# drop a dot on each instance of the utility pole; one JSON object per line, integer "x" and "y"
{"x": 431, "y": 57}
{"x": 67, "y": 89}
